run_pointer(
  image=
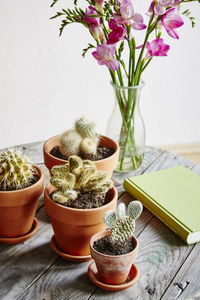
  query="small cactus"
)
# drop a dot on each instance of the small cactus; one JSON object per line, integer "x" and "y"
{"x": 82, "y": 139}
{"x": 16, "y": 171}
{"x": 70, "y": 143}
{"x": 86, "y": 128}
{"x": 88, "y": 146}
{"x": 77, "y": 177}
{"x": 122, "y": 227}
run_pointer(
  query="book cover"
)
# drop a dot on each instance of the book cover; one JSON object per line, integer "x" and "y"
{"x": 172, "y": 195}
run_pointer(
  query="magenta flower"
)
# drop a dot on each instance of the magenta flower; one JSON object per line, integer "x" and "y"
{"x": 91, "y": 20}
{"x": 118, "y": 32}
{"x": 128, "y": 17}
{"x": 170, "y": 20}
{"x": 157, "y": 48}
{"x": 105, "y": 56}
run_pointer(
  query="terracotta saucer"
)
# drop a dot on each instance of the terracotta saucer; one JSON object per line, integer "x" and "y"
{"x": 22, "y": 238}
{"x": 131, "y": 280}
{"x": 67, "y": 256}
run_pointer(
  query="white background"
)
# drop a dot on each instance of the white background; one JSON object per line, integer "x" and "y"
{"x": 45, "y": 84}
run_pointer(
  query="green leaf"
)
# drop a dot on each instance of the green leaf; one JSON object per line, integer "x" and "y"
{"x": 90, "y": 46}
{"x": 54, "y": 2}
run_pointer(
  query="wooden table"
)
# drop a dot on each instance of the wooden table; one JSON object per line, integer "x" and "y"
{"x": 169, "y": 269}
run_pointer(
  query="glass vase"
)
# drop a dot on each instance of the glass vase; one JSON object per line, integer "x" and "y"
{"x": 126, "y": 127}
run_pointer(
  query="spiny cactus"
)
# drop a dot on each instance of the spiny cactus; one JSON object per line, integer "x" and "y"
{"x": 16, "y": 171}
{"x": 88, "y": 146}
{"x": 82, "y": 139}
{"x": 78, "y": 176}
{"x": 86, "y": 128}
{"x": 70, "y": 143}
{"x": 122, "y": 227}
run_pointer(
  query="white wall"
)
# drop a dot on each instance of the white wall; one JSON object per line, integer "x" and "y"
{"x": 45, "y": 83}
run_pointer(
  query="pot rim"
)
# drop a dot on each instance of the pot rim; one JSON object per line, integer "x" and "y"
{"x": 32, "y": 186}
{"x": 63, "y": 160}
{"x": 106, "y": 232}
{"x": 81, "y": 210}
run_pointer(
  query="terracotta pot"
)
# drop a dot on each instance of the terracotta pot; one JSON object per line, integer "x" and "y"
{"x": 74, "y": 227}
{"x": 112, "y": 269}
{"x": 108, "y": 164}
{"x": 17, "y": 208}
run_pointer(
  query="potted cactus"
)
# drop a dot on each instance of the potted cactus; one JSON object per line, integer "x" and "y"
{"x": 76, "y": 201}
{"x": 84, "y": 142}
{"x": 114, "y": 250}
{"x": 21, "y": 184}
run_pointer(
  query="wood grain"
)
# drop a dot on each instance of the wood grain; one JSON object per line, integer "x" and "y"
{"x": 169, "y": 268}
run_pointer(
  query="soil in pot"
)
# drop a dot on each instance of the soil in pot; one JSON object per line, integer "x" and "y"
{"x": 104, "y": 246}
{"x": 33, "y": 181}
{"x": 102, "y": 153}
{"x": 86, "y": 201}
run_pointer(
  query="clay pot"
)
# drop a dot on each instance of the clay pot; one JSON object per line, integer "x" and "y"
{"x": 17, "y": 208}
{"x": 108, "y": 164}
{"x": 112, "y": 269}
{"x": 74, "y": 227}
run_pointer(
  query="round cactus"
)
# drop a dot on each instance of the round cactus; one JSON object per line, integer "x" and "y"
{"x": 88, "y": 146}
{"x": 70, "y": 143}
{"x": 16, "y": 171}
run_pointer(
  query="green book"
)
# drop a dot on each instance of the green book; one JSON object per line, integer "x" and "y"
{"x": 172, "y": 195}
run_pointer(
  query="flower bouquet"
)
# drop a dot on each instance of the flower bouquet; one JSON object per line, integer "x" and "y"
{"x": 112, "y": 24}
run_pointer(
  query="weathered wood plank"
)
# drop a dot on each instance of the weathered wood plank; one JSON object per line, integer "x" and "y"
{"x": 151, "y": 154}
{"x": 186, "y": 284}
{"x": 64, "y": 280}
{"x": 21, "y": 264}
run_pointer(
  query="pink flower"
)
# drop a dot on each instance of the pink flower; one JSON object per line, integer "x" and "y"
{"x": 128, "y": 16}
{"x": 157, "y": 48}
{"x": 118, "y": 32}
{"x": 91, "y": 20}
{"x": 105, "y": 56}
{"x": 161, "y": 6}
{"x": 170, "y": 20}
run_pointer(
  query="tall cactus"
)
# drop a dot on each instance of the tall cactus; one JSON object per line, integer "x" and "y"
{"x": 76, "y": 177}
{"x": 86, "y": 128}
{"x": 16, "y": 171}
{"x": 122, "y": 227}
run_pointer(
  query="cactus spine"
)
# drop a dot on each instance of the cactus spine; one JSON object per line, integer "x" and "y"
{"x": 82, "y": 139}
{"x": 122, "y": 227}
{"x": 16, "y": 171}
{"x": 77, "y": 177}
{"x": 70, "y": 143}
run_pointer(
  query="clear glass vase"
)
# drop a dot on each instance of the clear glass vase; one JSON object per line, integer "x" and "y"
{"x": 126, "y": 127}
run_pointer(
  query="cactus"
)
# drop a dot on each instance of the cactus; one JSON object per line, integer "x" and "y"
{"x": 82, "y": 139}
{"x": 16, "y": 171}
{"x": 70, "y": 143}
{"x": 86, "y": 128}
{"x": 77, "y": 177}
{"x": 88, "y": 146}
{"x": 122, "y": 227}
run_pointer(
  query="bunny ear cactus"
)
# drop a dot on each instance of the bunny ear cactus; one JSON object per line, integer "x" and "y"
{"x": 77, "y": 177}
{"x": 122, "y": 227}
{"x": 16, "y": 171}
